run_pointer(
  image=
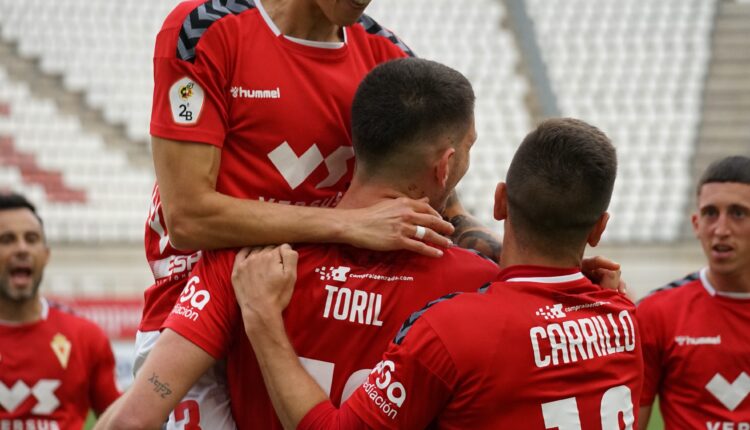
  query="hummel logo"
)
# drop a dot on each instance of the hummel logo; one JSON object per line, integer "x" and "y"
{"x": 255, "y": 94}
{"x": 705, "y": 340}
{"x": 730, "y": 395}
{"x": 296, "y": 169}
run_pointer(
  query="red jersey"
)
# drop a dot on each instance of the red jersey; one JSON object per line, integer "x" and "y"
{"x": 346, "y": 307}
{"x": 697, "y": 355}
{"x": 279, "y": 110}
{"x": 53, "y": 371}
{"x": 539, "y": 349}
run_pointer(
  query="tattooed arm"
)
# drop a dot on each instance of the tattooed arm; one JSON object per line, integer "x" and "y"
{"x": 172, "y": 367}
{"x": 469, "y": 232}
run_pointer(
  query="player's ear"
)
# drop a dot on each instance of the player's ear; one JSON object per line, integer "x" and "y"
{"x": 443, "y": 165}
{"x": 694, "y": 221}
{"x": 596, "y": 233}
{"x": 501, "y": 201}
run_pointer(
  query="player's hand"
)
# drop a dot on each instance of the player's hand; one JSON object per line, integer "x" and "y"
{"x": 263, "y": 279}
{"x": 606, "y": 273}
{"x": 393, "y": 224}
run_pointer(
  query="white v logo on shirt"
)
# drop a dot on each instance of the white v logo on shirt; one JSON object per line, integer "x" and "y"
{"x": 730, "y": 395}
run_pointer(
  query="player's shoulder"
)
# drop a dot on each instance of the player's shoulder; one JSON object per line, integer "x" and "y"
{"x": 456, "y": 255}
{"x": 449, "y": 309}
{"x": 67, "y": 317}
{"x": 190, "y": 20}
{"x": 672, "y": 292}
{"x": 376, "y": 34}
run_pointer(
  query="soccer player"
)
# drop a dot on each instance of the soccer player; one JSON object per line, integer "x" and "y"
{"x": 695, "y": 330}
{"x": 54, "y": 366}
{"x": 252, "y": 142}
{"x": 540, "y": 348}
{"x": 413, "y": 125}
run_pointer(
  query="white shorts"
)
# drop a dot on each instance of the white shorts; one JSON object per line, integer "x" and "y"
{"x": 206, "y": 404}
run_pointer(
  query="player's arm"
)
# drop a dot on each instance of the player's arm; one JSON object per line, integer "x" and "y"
{"x": 160, "y": 384}
{"x": 469, "y": 232}
{"x": 199, "y": 217}
{"x": 103, "y": 390}
{"x": 644, "y": 416}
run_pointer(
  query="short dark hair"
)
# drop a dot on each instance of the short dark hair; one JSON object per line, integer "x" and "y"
{"x": 730, "y": 169}
{"x": 11, "y": 200}
{"x": 560, "y": 183}
{"x": 407, "y": 101}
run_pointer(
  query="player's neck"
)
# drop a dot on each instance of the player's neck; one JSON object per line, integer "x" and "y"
{"x": 20, "y": 312}
{"x": 730, "y": 283}
{"x": 516, "y": 254}
{"x": 365, "y": 193}
{"x": 303, "y": 20}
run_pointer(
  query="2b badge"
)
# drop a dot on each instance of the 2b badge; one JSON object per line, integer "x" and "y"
{"x": 186, "y": 100}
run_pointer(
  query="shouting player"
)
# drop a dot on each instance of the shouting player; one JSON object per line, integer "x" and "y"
{"x": 54, "y": 366}
{"x": 695, "y": 330}
{"x": 413, "y": 126}
{"x": 540, "y": 348}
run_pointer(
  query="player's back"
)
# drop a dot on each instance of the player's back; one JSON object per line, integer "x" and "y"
{"x": 347, "y": 306}
{"x": 541, "y": 349}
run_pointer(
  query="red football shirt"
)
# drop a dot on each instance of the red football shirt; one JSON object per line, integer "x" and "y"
{"x": 696, "y": 353}
{"x": 539, "y": 349}
{"x": 278, "y": 109}
{"x": 347, "y": 306}
{"x": 53, "y": 371}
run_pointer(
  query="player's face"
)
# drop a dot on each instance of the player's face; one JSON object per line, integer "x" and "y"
{"x": 343, "y": 12}
{"x": 723, "y": 226}
{"x": 23, "y": 255}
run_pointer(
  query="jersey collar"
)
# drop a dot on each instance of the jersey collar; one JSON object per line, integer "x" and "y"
{"x": 313, "y": 43}
{"x": 541, "y": 275}
{"x": 714, "y": 292}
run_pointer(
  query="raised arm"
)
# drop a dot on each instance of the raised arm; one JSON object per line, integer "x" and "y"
{"x": 199, "y": 217}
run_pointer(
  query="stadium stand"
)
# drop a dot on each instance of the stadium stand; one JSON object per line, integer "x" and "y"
{"x": 635, "y": 69}
{"x": 101, "y": 48}
{"x": 84, "y": 190}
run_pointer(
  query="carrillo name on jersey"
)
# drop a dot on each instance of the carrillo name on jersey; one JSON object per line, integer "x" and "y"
{"x": 582, "y": 339}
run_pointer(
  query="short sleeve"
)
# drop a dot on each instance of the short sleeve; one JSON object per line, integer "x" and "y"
{"x": 207, "y": 312}
{"x": 411, "y": 384}
{"x": 651, "y": 344}
{"x": 190, "y": 85}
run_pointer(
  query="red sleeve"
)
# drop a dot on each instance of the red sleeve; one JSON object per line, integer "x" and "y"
{"x": 103, "y": 388}
{"x": 326, "y": 416}
{"x": 206, "y": 313}
{"x": 650, "y": 327}
{"x": 395, "y": 394}
{"x": 190, "y": 87}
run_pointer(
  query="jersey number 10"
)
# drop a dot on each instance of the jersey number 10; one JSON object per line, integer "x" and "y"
{"x": 563, "y": 414}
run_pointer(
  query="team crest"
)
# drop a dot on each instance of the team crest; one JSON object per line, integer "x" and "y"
{"x": 61, "y": 346}
{"x": 186, "y": 101}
